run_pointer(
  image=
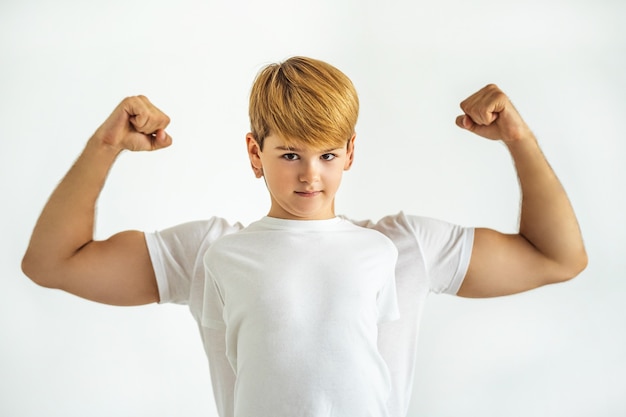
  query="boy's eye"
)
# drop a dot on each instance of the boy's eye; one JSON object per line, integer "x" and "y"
{"x": 290, "y": 156}
{"x": 329, "y": 156}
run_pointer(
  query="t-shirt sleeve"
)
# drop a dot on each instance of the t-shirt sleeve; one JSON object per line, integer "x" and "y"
{"x": 438, "y": 251}
{"x": 176, "y": 254}
{"x": 446, "y": 249}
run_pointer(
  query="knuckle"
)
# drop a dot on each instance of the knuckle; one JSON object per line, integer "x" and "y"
{"x": 130, "y": 101}
{"x": 465, "y": 105}
{"x": 134, "y": 100}
{"x": 491, "y": 87}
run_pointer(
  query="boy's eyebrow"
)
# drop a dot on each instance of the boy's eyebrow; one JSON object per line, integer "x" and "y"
{"x": 292, "y": 149}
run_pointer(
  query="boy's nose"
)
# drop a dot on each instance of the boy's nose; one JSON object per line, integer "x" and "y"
{"x": 310, "y": 173}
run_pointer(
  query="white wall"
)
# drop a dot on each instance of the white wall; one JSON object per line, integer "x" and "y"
{"x": 64, "y": 65}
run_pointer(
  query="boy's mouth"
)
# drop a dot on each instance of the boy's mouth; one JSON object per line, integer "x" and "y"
{"x": 308, "y": 193}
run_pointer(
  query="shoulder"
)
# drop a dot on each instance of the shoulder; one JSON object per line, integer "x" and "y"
{"x": 401, "y": 224}
{"x": 254, "y": 238}
{"x": 365, "y": 236}
{"x": 194, "y": 233}
{"x": 426, "y": 233}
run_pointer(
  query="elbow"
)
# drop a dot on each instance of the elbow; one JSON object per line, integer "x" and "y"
{"x": 573, "y": 267}
{"x": 32, "y": 268}
{"x": 29, "y": 268}
{"x": 581, "y": 264}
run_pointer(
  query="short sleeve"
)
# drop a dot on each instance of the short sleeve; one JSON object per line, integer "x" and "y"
{"x": 446, "y": 249}
{"x": 435, "y": 249}
{"x": 176, "y": 254}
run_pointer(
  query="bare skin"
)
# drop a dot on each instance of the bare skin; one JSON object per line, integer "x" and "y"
{"x": 549, "y": 247}
{"x": 63, "y": 253}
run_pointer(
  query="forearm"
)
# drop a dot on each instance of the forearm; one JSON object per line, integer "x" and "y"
{"x": 547, "y": 219}
{"x": 66, "y": 223}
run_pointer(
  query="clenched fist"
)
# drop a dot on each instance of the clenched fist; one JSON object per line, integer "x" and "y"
{"x": 136, "y": 125}
{"x": 489, "y": 113}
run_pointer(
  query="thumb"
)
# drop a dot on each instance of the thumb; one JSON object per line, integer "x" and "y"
{"x": 490, "y": 131}
{"x": 465, "y": 122}
{"x": 160, "y": 139}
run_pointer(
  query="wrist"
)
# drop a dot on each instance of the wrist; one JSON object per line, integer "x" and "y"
{"x": 527, "y": 155}
{"x": 97, "y": 156}
{"x": 525, "y": 140}
{"x": 101, "y": 148}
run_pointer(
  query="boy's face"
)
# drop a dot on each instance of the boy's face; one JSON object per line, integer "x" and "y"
{"x": 302, "y": 181}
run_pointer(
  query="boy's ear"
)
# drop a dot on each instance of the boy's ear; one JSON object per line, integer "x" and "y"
{"x": 254, "y": 153}
{"x": 350, "y": 153}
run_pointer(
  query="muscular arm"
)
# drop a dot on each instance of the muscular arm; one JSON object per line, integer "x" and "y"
{"x": 62, "y": 253}
{"x": 549, "y": 246}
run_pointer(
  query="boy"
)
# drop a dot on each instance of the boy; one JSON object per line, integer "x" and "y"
{"x": 300, "y": 293}
{"x": 303, "y": 114}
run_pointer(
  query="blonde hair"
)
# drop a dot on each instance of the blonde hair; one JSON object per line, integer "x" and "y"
{"x": 305, "y": 100}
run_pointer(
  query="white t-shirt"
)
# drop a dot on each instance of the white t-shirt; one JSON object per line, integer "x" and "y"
{"x": 433, "y": 256}
{"x": 300, "y": 302}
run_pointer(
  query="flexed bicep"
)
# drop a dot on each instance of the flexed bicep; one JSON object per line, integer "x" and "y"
{"x": 504, "y": 264}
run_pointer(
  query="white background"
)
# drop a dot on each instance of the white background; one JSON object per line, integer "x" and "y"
{"x": 64, "y": 65}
